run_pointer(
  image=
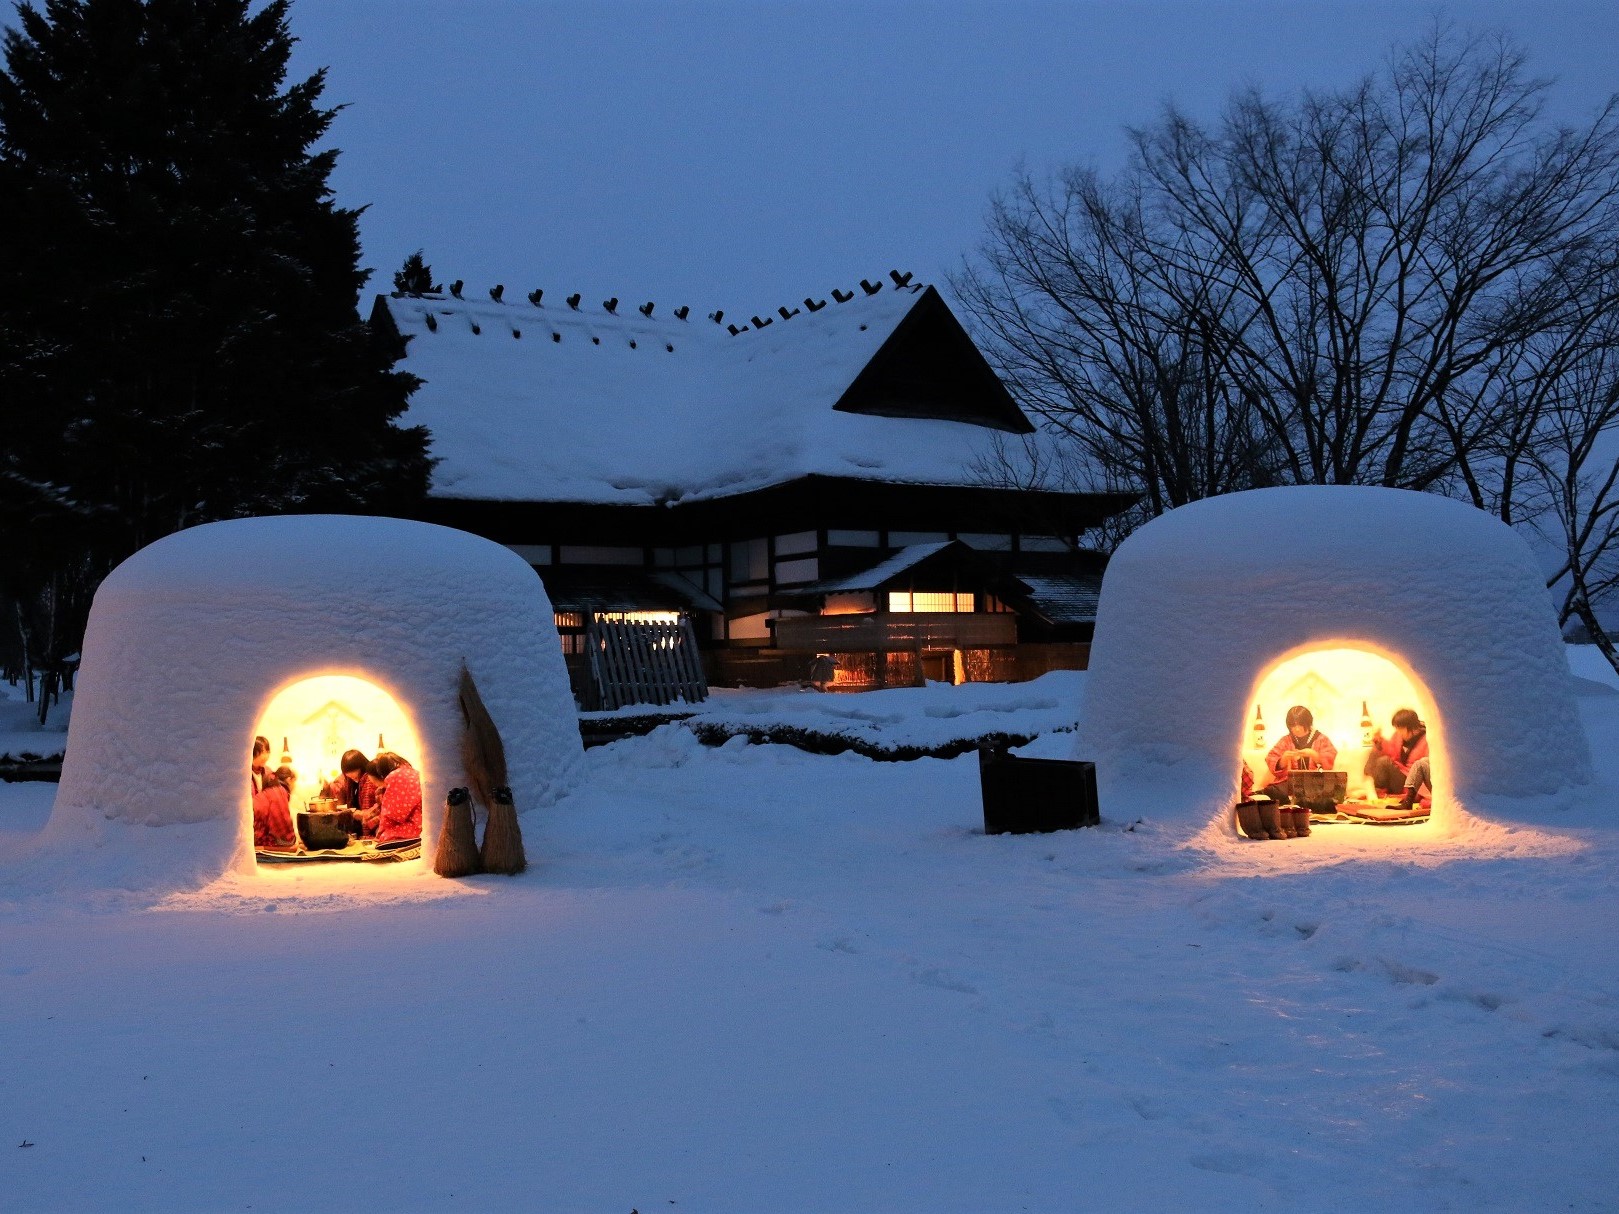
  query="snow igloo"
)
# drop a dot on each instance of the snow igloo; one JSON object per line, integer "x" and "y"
{"x": 322, "y": 633}
{"x": 1218, "y": 617}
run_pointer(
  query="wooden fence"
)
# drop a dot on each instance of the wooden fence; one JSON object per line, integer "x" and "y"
{"x": 643, "y": 662}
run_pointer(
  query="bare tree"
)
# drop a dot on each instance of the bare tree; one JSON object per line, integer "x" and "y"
{"x": 1384, "y": 284}
{"x": 1083, "y": 332}
{"x": 1571, "y": 459}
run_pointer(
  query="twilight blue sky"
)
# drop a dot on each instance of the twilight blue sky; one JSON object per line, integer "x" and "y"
{"x": 742, "y": 155}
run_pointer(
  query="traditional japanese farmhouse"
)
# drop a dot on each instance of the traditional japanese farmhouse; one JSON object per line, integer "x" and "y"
{"x": 729, "y": 497}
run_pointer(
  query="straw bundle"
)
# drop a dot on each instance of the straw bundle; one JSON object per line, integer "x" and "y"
{"x": 457, "y": 854}
{"x": 485, "y": 759}
{"x": 481, "y": 749}
{"x": 502, "y": 837}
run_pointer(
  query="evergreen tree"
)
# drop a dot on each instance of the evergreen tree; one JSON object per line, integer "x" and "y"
{"x": 179, "y": 340}
{"x": 415, "y": 277}
{"x": 179, "y": 287}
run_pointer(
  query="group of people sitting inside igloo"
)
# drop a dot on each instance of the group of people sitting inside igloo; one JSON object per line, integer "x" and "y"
{"x": 1275, "y": 660}
{"x": 351, "y": 807}
{"x": 322, "y": 797}
{"x": 1352, "y": 749}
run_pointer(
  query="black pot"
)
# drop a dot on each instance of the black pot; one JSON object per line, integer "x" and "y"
{"x": 321, "y": 829}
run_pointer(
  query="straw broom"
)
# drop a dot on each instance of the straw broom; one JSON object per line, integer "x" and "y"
{"x": 485, "y": 759}
{"x": 457, "y": 854}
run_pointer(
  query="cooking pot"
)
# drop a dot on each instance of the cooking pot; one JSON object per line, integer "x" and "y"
{"x": 320, "y": 828}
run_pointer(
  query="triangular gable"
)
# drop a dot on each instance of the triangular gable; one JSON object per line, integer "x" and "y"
{"x": 929, "y": 367}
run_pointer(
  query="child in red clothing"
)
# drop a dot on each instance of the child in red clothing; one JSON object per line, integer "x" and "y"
{"x": 1303, "y": 745}
{"x": 272, "y": 803}
{"x": 398, "y": 812}
{"x": 1391, "y": 759}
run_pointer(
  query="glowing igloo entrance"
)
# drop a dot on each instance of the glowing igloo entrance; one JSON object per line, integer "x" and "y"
{"x": 1354, "y": 696}
{"x": 311, "y": 724}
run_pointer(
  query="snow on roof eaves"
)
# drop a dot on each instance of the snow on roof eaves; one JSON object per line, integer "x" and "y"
{"x": 1065, "y": 598}
{"x": 881, "y": 572}
{"x": 552, "y": 403}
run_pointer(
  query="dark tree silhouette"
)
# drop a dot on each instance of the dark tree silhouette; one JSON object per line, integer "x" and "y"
{"x": 179, "y": 339}
{"x": 415, "y": 277}
{"x": 1383, "y": 284}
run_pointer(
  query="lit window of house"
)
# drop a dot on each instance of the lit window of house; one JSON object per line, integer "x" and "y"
{"x": 571, "y": 630}
{"x": 922, "y": 600}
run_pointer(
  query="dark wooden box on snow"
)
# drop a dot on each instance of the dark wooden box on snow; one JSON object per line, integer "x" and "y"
{"x": 1024, "y": 796}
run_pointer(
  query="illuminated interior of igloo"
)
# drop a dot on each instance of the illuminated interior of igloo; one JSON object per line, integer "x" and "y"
{"x": 1353, "y": 695}
{"x": 311, "y": 724}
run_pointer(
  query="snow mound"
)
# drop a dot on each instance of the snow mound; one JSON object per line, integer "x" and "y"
{"x": 195, "y": 637}
{"x": 1200, "y": 604}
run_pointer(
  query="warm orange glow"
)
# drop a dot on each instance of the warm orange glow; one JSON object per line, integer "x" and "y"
{"x": 1333, "y": 681}
{"x": 861, "y": 603}
{"x": 324, "y": 715}
{"x": 638, "y": 617}
{"x": 926, "y": 600}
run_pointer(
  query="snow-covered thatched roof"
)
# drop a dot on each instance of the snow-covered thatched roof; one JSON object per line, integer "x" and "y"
{"x": 579, "y": 404}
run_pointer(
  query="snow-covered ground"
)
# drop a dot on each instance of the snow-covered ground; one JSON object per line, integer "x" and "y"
{"x": 752, "y": 979}
{"x": 1046, "y": 708}
{"x": 20, "y": 730}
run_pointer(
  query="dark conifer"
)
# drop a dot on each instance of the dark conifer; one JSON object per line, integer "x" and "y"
{"x": 415, "y": 277}
{"x": 179, "y": 340}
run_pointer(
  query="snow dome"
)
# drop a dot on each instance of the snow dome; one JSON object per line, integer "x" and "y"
{"x": 1217, "y": 617}
{"x": 322, "y": 633}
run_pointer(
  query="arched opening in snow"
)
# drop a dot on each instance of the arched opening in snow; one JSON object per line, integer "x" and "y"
{"x": 311, "y": 723}
{"x": 1353, "y": 692}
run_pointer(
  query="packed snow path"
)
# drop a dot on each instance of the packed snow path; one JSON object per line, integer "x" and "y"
{"x": 746, "y": 978}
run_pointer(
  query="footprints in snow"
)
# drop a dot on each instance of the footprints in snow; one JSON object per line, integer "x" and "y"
{"x": 944, "y": 980}
{"x": 933, "y": 976}
{"x": 1396, "y": 973}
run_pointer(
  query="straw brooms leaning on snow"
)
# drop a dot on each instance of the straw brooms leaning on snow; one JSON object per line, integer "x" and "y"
{"x": 484, "y": 758}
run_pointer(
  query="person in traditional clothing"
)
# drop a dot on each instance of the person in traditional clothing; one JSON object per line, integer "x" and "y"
{"x": 1391, "y": 759}
{"x": 272, "y": 803}
{"x": 398, "y": 812}
{"x": 1302, "y": 748}
{"x": 355, "y": 788}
